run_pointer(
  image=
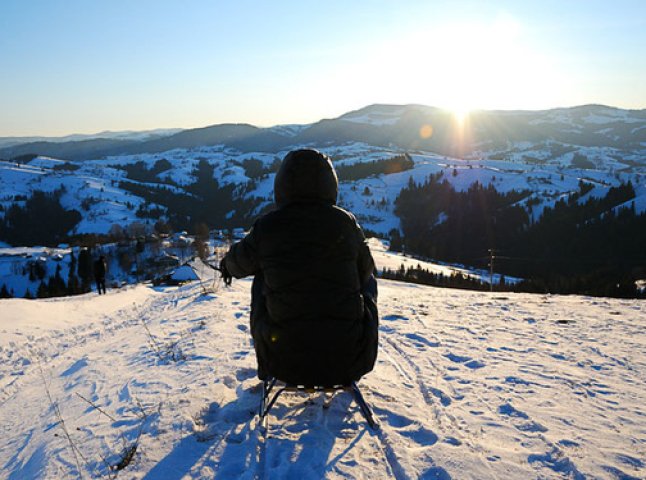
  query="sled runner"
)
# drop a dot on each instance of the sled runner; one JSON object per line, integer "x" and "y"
{"x": 268, "y": 385}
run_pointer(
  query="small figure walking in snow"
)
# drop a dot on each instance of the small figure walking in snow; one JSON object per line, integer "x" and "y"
{"x": 100, "y": 268}
{"x": 314, "y": 316}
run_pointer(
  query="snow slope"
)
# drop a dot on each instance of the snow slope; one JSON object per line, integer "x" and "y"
{"x": 468, "y": 385}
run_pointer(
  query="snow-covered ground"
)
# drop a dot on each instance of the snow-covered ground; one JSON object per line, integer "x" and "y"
{"x": 468, "y": 385}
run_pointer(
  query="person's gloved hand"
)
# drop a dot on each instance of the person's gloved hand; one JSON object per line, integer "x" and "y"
{"x": 227, "y": 278}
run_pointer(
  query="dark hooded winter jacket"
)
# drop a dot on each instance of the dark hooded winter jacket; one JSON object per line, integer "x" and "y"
{"x": 314, "y": 314}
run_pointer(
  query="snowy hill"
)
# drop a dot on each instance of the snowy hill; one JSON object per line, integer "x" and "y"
{"x": 161, "y": 383}
{"x": 109, "y": 194}
{"x": 95, "y": 188}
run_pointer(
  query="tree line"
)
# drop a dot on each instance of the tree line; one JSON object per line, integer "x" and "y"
{"x": 42, "y": 220}
{"x": 359, "y": 170}
{"x": 424, "y": 276}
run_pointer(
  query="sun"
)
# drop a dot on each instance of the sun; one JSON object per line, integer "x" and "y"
{"x": 463, "y": 67}
{"x": 460, "y": 67}
{"x": 460, "y": 114}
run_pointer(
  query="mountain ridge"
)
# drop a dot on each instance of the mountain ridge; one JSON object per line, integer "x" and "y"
{"x": 383, "y": 125}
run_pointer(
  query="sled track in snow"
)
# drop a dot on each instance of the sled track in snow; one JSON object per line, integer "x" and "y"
{"x": 440, "y": 414}
{"x": 412, "y": 373}
{"x": 389, "y": 455}
{"x": 20, "y": 361}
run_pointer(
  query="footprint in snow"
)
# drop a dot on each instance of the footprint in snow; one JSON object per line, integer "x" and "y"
{"x": 435, "y": 473}
{"x": 474, "y": 364}
{"x": 419, "y": 339}
{"x": 568, "y": 443}
{"x": 529, "y": 426}
{"x": 452, "y": 441}
{"x": 558, "y": 462}
{"x": 393, "y": 419}
{"x": 240, "y": 354}
{"x": 245, "y": 374}
{"x": 457, "y": 358}
{"x": 445, "y": 400}
{"x": 517, "y": 381}
{"x": 408, "y": 428}
{"x": 75, "y": 367}
{"x": 509, "y": 410}
{"x": 392, "y": 318}
{"x": 229, "y": 381}
{"x": 420, "y": 435}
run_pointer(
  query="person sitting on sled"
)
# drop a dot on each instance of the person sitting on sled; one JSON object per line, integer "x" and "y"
{"x": 314, "y": 316}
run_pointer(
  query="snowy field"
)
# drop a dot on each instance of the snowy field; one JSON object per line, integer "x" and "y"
{"x": 161, "y": 382}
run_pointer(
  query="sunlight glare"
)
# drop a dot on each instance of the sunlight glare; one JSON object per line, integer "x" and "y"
{"x": 463, "y": 67}
{"x": 460, "y": 114}
{"x": 426, "y": 132}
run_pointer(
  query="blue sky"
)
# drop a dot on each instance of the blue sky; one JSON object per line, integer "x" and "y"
{"x": 72, "y": 66}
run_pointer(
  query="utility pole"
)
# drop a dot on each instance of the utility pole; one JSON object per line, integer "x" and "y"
{"x": 491, "y": 258}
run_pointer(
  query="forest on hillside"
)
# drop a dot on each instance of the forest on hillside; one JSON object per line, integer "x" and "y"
{"x": 583, "y": 244}
{"x": 580, "y": 243}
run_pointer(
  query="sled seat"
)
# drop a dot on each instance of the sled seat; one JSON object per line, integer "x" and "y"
{"x": 268, "y": 385}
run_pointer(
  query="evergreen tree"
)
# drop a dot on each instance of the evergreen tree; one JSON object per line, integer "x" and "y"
{"x": 72, "y": 279}
{"x": 4, "y": 293}
{"x": 85, "y": 269}
{"x": 396, "y": 243}
{"x": 42, "y": 221}
{"x": 42, "y": 291}
{"x": 56, "y": 286}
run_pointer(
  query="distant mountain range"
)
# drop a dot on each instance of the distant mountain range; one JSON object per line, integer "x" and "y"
{"x": 380, "y": 125}
{"x": 77, "y": 137}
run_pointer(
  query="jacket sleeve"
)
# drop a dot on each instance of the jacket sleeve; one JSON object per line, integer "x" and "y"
{"x": 366, "y": 263}
{"x": 242, "y": 258}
